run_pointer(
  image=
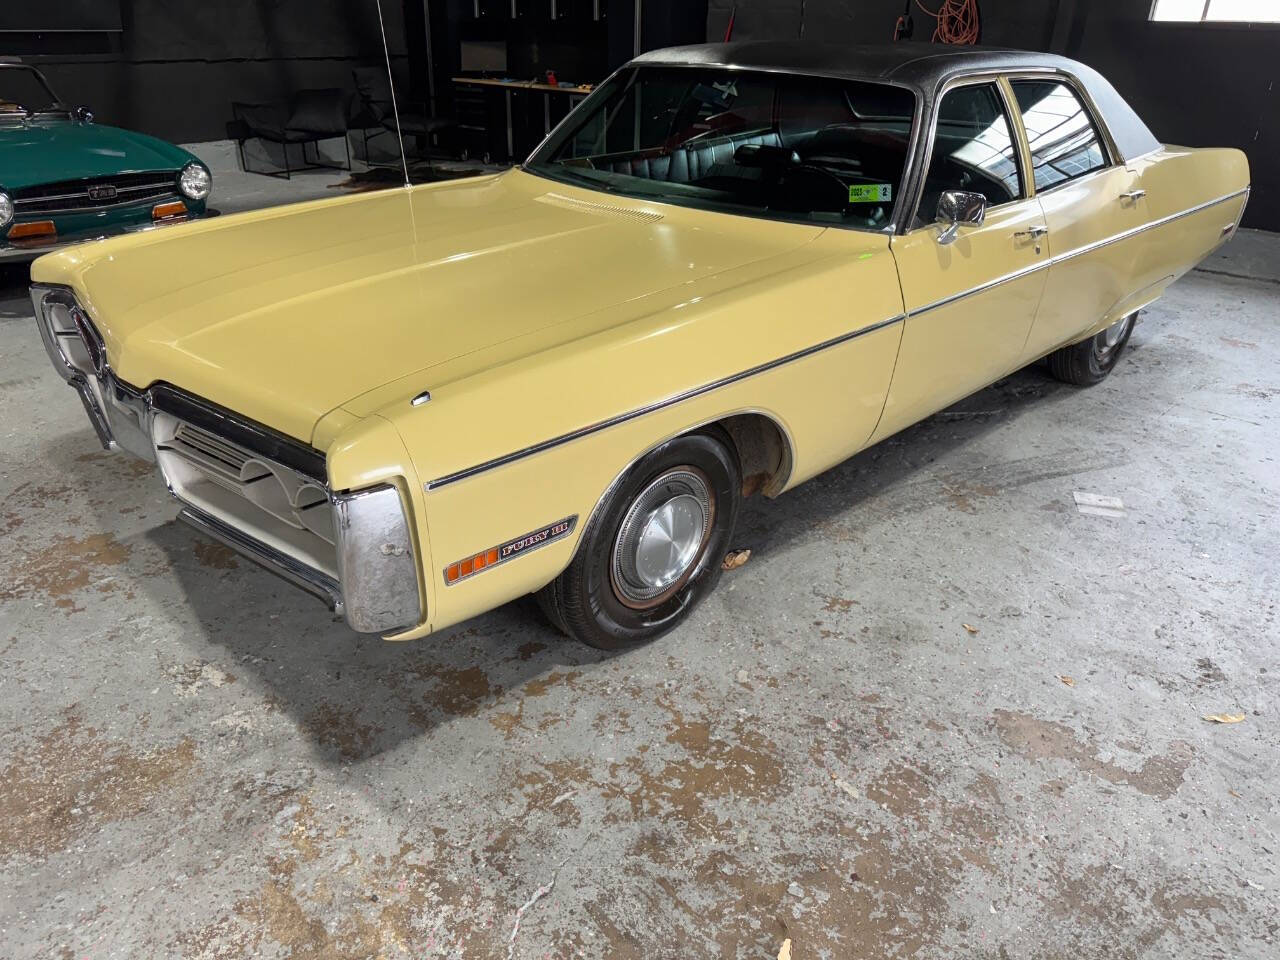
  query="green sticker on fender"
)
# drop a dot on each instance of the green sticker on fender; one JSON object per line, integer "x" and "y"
{"x": 870, "y": 192}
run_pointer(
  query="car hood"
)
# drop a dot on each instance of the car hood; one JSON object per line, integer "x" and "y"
{"x": 284, "y": 315}
{"x": 46, "y": 152}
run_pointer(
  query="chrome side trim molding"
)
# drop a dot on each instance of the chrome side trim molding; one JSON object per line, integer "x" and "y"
{"x": 659, "y": 405}
{"x": 1134, "y": 231}
{"x": 281, "y": 564}
{"x": 1007, "y": 278}
{"x": 816, "y": 348}
{"x": 1077, "y": 252}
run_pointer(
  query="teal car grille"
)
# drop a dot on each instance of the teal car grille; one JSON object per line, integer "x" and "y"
{"x": 95, "y": 193}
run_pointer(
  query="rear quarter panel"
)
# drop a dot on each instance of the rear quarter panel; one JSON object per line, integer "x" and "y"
{"x": 827, "y": 404}
{"x": 1195, "y": 196}
{"x": 1194, "y": 200}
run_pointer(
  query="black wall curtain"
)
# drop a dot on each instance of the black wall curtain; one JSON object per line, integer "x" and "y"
{"x": 174, "y": 68}
{"x": 33, "y": 16}
{"x": 258, "y": 29}
{"x": 1026, "y": 23}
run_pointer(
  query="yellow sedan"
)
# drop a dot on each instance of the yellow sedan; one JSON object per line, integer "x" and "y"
{"x": 730, "y": 268}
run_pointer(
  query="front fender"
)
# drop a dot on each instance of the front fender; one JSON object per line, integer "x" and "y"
{"x": 525, "y": 446}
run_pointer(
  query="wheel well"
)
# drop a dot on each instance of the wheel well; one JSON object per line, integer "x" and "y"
{"x": 764, "y": 452}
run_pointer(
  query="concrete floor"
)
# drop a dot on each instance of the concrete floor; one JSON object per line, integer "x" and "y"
{"x": 197, "y": 762}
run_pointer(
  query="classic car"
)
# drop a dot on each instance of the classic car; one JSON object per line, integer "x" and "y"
{"x": 64, "y": 178}
{"x": 730, "y": 268}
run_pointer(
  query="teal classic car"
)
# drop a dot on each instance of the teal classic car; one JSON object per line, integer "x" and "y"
{"x": 64, "y": 178}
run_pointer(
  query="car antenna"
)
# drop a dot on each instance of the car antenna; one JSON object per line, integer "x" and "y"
{"x": 391, "y": 82}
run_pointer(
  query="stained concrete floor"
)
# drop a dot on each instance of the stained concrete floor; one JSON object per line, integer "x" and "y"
{"x": 196, "y": 762}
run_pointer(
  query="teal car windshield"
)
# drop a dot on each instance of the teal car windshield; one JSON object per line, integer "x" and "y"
{"x": 773, "y": 145}
{"x": 22, "y": 91}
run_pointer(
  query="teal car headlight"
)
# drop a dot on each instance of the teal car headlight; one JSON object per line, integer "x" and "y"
{"x": 6, "y": 209}
{"x": 195, "y": 181}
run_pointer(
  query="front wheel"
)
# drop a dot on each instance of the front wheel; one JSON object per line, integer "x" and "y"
{"x": 654, "y": 548}
{"x": 1089, "y": 361}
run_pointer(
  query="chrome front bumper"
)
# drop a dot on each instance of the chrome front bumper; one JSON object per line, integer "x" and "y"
{"x": 9, "y": 252}
{"x": 259, "y": 492}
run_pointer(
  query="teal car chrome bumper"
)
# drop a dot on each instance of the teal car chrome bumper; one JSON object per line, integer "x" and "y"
{"x": 92, "y": 208}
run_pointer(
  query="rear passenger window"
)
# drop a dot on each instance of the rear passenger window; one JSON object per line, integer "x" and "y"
{"x": 973, "y": 150}
{"x": 1064, "y": 141}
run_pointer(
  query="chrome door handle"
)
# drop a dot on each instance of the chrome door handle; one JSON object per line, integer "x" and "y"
{"x": 1134, "y": 195}
{"x": 1032, "y": 233}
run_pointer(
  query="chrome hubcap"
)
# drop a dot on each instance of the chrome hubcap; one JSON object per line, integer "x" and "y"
{"x": 668, "y": 540}
{"x": 1111, "y": 335}
{"x": 661, "y": 537}
{"x": 1108, "y": 339}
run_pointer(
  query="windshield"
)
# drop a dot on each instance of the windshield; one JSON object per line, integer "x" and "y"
{"x": 24, "y": 90}
{"x": 773, "y": 145}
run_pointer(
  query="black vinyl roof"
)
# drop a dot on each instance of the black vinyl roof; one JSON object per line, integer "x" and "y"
{"x": 924, "y": 67}
{"x": 922, "y": 64}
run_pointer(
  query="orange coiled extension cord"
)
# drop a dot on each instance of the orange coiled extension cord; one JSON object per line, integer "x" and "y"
{"x": 957, "y": 21}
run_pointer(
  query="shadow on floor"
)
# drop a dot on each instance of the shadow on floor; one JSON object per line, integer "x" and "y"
{"x": 357, "y": 696}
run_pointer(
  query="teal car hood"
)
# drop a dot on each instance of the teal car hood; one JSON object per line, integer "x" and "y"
{"x": 39, "y": 152}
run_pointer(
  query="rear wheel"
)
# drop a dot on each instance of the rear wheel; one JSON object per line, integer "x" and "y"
{"x": 654, "y": 549}
{"x": 1089, "y": 361}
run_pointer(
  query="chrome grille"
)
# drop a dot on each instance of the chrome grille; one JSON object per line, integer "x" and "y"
{"x": 265, "y": 499}
{"x": 217, "y": 455}
{"x": 95, "y": 193}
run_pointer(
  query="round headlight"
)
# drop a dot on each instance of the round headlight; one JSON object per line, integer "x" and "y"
{"x": 6, "y": 209}
{"x": 195, "y": 181}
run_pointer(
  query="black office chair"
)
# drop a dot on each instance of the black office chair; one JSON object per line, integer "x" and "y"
{"x": 373, "y": 88}
{"x": 308, "y": 117}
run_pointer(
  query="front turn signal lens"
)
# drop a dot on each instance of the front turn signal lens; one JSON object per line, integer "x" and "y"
{"x": 33, "y": 234}
{"x": 175, "y": 210}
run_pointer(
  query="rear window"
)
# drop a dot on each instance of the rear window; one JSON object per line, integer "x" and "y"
{"x": 772, "y": 145}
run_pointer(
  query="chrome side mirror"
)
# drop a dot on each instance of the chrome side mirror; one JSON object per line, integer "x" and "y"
{"x": 960, "y": 206}
{"x": 83, "y": 114}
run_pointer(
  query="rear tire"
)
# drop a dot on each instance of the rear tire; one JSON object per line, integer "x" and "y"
{"x": 1089, "y": 361}
{"x": 654, "y": 548}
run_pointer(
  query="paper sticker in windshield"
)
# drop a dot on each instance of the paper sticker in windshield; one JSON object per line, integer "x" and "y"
{"x": 870, "y": 192}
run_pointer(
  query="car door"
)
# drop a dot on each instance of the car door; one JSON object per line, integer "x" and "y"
{"x": 970, "y": 302}
{"x": 1090, "y": 201}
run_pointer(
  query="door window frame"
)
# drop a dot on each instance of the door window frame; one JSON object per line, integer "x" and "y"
{"x": 1003, "y": 79}
{"x": 1110, "y": 154}
{"x": 1017, "y": 135}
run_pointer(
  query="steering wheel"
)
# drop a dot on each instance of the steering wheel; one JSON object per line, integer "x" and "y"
{"x": 819, "y": 189}
{"x": 824, "y": 172}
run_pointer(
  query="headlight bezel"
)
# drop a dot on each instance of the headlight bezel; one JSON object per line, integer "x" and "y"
{"x": 199, "y": 191}
{"x": 89, "y": 379}
{"x": 7, "y": 209}
{"x": 77, "y": 329}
